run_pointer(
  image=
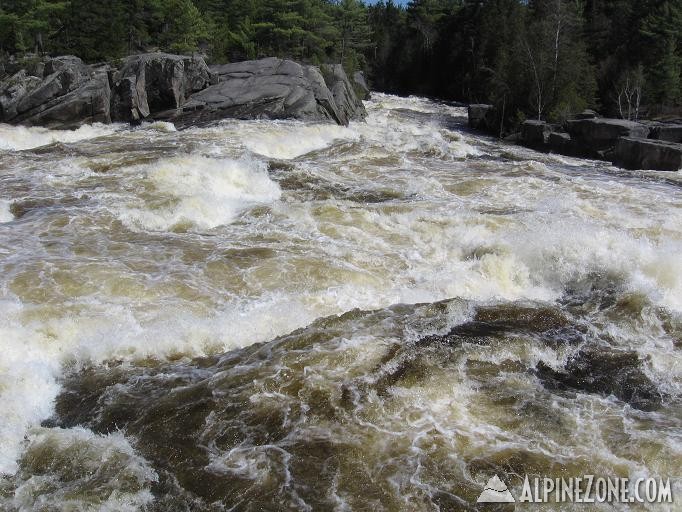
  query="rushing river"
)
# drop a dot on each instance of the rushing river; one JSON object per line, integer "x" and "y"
{"x": 276, "y": 316}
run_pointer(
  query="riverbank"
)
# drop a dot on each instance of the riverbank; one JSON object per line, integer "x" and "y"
{"x": 652, "y": 145}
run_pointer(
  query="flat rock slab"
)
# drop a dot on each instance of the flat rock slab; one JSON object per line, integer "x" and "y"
{"x": 636, "y": 153}
{"x": 597, "y": 135}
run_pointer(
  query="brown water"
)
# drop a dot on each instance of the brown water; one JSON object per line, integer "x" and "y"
{"x": 280, "y": 316}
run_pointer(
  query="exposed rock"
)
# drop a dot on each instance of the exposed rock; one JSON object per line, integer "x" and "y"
{"x": 69, "y": 95}
{"x": 535, "y": 133}
{"x": 360, "y": 85}
{"x": 348, "y": 104}
{"x": 596, "y": 137}
{"x": 586, "y": 114}
{"x": 12, "y": 90}
{"x": 481, "y": 117}
{"x": 156, "y": 82}
{"x": 635, "y": 153}
{"x": 668, "y": 132}
{"x": 563, "y": 144}
{"x": 273, "y": 89}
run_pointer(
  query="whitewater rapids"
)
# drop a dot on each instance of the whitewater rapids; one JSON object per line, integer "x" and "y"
{"x": 269, "y": 315}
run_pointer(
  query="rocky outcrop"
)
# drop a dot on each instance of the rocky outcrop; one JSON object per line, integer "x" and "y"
{"x": 67, "y": 95}
{"x": 360, "y": 85}
{"x": 273, "y": 88}
{"x": 635, "y": 153}
{"x": 482, "y": 117}
{"x": 598, "y": 137}
{"x": 63, "y": 92}
{"x": 535, "y": 133}
{"x": 668, "y": 132}
{"x": 155, "y": 82}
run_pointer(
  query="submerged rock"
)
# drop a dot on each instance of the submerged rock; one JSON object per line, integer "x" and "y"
{"x": 604, "y": 372}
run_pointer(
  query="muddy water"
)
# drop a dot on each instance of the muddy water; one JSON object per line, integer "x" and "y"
{"x": 285, "y": 316}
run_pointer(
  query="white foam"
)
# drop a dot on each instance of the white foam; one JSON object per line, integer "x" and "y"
{"x": 5, "y": 213}
{"x": 292, "y": 139}
{"x": 84, "y": 467}
{"x": 205, "y": 192}
{"x": 22, "y": 137}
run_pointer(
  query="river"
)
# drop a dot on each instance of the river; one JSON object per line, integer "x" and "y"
{"x": 273, "y": 315}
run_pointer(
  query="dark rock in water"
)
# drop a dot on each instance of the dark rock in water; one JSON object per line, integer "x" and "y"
{"x": 273, "y": 89}
{"x": 633, "y": 153}
{"x": 604, "y": 372}
{"x": 535, "y": 133}
{"x": 596, "y": 137}
{"x": 69, "y": 95}
{"x": 482, "y": 117}
{"x": 155, "y": 82}
{"x": 667, "y": 132}
{"x": 495, "y": 321}
{"x": 360, "y": 85}
{"x": 561, "y": 143}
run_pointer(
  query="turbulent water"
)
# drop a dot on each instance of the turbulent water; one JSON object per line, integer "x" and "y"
{"x": 275, "y": 316}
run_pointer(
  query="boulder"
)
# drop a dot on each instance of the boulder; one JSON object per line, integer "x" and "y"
{"x": 635, "y": 153}
{"x": 156, "y": 82}
{"x": 273, "y": 88}
{"x": 482, "y": 117}
{"x": 535, "y": 133}
{"x": 597, "y": 137}
{"x": 68, "y": 95}
{"x": 668, "y": 132}
{"x": 560, "y": 143}
{"x": 360, "y": 85}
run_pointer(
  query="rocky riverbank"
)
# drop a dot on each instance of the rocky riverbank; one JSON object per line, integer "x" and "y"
{"x": 65, "y": 93}
{"x": 629, "y": 144}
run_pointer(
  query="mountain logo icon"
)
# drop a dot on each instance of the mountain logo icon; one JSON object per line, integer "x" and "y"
{"x": 495, "y": 492}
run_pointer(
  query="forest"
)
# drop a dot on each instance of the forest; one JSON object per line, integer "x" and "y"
{"x": 542, "y": 59}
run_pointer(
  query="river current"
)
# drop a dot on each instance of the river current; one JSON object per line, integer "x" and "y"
{"x": 275, "y": 316}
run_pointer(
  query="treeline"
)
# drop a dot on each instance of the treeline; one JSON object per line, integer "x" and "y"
{"x": 314, "y": 31}
{"x": 537, "y": 58}
{"x": 531, "y": 58}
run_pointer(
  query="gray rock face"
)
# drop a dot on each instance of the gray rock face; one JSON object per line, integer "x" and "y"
{"x": 360, "y": 84}
{"x": 155, "y": 82}
{"x": 635, "y": 153}
{"x": 561, "y": 143}
{"x": 63, "y": 92}
{"x": 274, "y": 89}
{"x": 535, "y": 133}
{"x": 598, "y": 136}
{"x": 668, "y": 132}
{"x": 68, "y": 95}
